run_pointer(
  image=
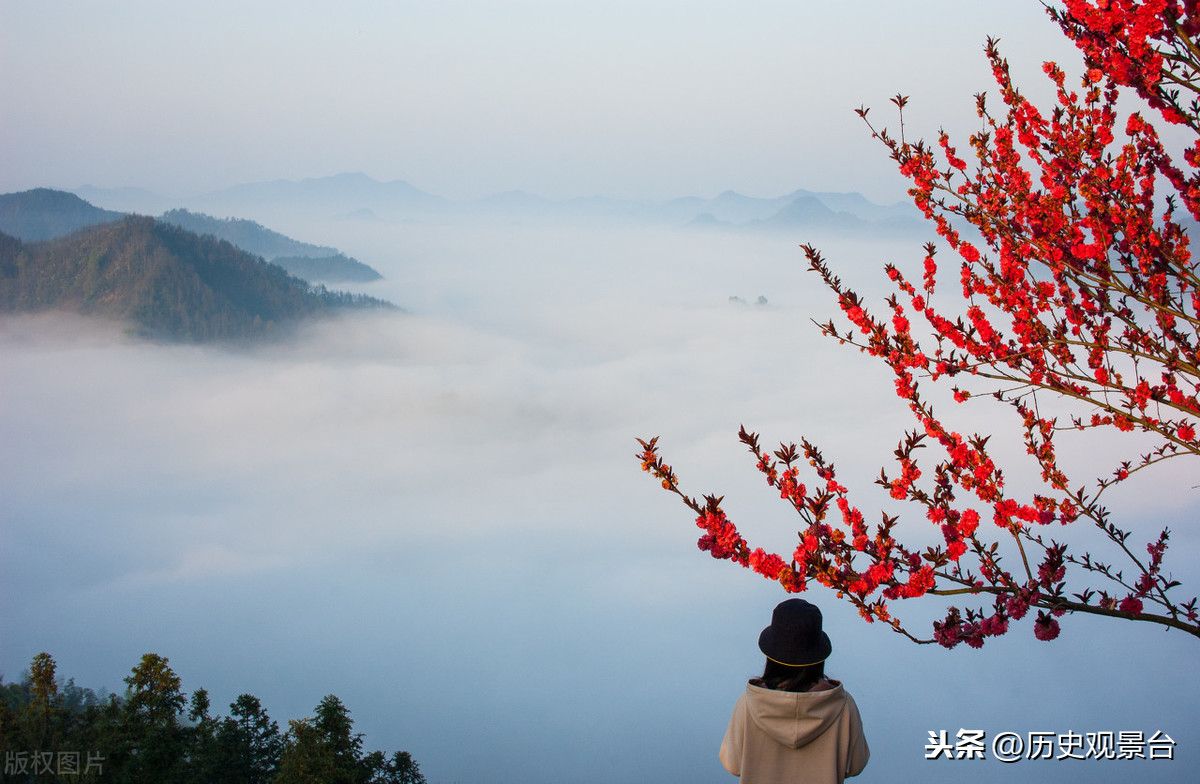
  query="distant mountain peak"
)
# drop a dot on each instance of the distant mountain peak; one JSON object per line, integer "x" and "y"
{"x": 45, "y": 213}
{"x": 348, "y": 177}
{"x": 302, "y": 259}
{"x": 334, "y": 194}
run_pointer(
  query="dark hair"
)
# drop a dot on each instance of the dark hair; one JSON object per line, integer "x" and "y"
{"x": 781, "y": 677}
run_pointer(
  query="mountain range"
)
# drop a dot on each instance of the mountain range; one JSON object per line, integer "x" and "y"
{"x": 189, "y": 276}
{"x": 351, "y": 190}
{"x": 43, "y": 214}
{"x": 357, "y": 197}
{"x": 168, "y": 282}
{"x": 302, "y": 259}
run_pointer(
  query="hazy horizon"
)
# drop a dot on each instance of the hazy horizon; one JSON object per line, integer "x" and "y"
{"x": 117, "y": 192}
{"x": 464, "y": 99}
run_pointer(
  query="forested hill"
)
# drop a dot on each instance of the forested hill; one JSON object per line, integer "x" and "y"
{"x": 246, "y": 234}
{"x": 302, "y": 259}
{"x": 46, "y": 214}
{"x": 42, "y": 214}
{"x": 169, "y": 282}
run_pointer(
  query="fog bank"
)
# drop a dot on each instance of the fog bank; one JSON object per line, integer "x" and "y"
{"x": 438, "y": 516}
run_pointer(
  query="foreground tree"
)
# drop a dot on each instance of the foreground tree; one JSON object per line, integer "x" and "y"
{"x": 324, "y": 749}
{"x": 251, "y": 741}
{"x": 400, "y": 769}
{"x": 51, "y": 732}
{"x": 152, "y": 741}
{"x": 1078, "y": 307}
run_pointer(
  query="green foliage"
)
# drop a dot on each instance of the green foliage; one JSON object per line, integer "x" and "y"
{"x": 400, "y": 769}
{"x": 325, "y": 748}
{"x": 156, "y": 735}
{"x": 155, "y": 689}
{"x": 250, "y": 743}
{"x": 41, "y": 682}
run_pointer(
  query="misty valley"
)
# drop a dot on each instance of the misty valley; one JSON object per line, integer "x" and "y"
{"x": 187, "y": 276}
{"x": 344, "y": 437}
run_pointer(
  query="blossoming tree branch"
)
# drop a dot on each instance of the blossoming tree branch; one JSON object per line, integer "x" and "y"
{"x": 1076, "y": 304}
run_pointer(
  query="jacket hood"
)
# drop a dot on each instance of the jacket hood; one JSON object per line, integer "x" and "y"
{"x": 794, "y": 719}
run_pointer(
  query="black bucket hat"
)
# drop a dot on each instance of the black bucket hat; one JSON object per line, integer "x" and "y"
{"x": 794, "y": 637}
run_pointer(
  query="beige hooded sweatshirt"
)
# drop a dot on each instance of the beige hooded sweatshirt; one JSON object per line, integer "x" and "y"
{"x": 783, "y": 737}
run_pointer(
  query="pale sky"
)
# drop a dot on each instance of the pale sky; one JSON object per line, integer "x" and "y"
{"x": 647, "y": 99}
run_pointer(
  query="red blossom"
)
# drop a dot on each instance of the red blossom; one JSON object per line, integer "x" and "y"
{"x": 1045, "y": 628}
{"x": 1131, "y": 604}
{"x": 1076, "y": 292}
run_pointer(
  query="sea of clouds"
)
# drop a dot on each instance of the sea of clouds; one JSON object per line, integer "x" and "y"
{"x": 439, "y": 516}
